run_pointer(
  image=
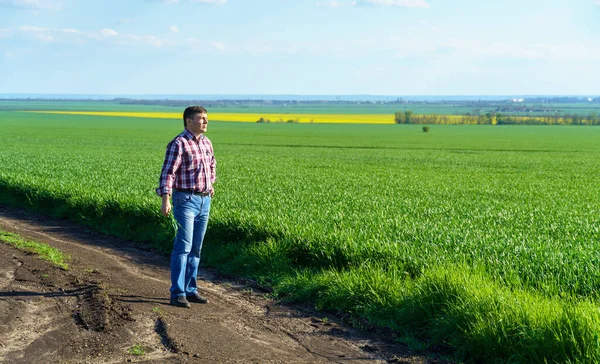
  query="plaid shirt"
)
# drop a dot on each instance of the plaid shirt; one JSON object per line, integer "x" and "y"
{"x": 189, "y": 165}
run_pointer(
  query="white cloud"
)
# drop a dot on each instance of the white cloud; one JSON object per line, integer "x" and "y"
{"x": 27, "y": 28}
{"x": 402, "y": 3}
{"x": 218, "y": 45}
{"x": 174, "y": 29}
{"x": 53, "y": 35}
{"x": 32, "y": 4}
{"x": 108, "y": 32}
{"x": 78, "y": 37}
{"x": 42, "y": 34}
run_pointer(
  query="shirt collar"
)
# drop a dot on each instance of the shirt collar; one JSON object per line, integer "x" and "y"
{"x": 189, "y": 135}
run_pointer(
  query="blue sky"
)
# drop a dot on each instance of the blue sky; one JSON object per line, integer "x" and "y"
{"x": 302, "y": 47}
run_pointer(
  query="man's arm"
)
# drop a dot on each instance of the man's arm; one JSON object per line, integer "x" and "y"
{"x": 165, "y": 208}
{"x": 167, "y": 175}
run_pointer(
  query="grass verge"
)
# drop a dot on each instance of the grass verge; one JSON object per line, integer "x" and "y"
{"x": 45, "y": 251}
{"x": 456, "y": 310}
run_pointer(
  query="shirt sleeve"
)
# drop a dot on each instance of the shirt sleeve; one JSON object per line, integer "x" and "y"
{"x": 213, "y": 166}
{"x": 169, "y": 168}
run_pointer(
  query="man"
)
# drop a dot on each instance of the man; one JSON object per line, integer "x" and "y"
{"x": 188, "y": 174}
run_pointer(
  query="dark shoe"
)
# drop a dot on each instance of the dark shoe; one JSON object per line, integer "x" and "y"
{"x": 196, "y": 298}
{"x": 179, "y": 301}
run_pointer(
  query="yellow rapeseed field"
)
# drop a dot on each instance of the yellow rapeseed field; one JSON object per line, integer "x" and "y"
{"x": 321, "y": 118}
{"x": 248, "y": 117}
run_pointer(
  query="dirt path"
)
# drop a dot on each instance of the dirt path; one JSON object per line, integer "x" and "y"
{"x": 114, "y": 300}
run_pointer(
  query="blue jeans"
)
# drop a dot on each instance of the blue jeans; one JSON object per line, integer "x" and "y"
{"x": 191, "y": 212}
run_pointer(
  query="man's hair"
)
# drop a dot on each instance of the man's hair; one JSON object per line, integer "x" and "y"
{"x": 190, "y": 111}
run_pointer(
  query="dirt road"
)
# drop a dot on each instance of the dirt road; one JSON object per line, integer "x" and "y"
{"x": 111, "y": 306}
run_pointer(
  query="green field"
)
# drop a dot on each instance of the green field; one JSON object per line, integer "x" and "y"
{"x": 481, "y": 239}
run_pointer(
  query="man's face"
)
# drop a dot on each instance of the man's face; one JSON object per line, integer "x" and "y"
{"x": 198, "y": 123}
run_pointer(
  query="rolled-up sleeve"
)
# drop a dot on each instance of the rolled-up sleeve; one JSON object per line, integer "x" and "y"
{"x": 169, "y": 168}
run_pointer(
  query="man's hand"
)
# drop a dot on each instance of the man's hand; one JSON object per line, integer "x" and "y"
{"x": 212, "y": 192}
{"x": 165, "y": 208}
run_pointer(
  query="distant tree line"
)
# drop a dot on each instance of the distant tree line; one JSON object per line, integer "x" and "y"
{"x": 496, "y": 118}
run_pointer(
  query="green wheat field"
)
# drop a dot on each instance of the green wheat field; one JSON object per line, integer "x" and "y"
{"x": 484, "y": 240}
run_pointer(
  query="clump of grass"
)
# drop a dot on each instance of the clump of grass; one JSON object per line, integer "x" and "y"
{"x": 425, "y": 129}
{"x": 137, "y": 350}
{"x": 44, "y": 251}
